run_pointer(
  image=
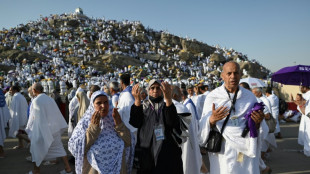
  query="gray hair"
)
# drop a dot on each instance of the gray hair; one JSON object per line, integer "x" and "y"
{"x": 175, "y": 90}
{"x": 114, "y": 86}
{"x": 257, "y": 89}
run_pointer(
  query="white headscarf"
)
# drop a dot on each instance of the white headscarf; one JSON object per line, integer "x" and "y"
{"x": 105, "y": 155}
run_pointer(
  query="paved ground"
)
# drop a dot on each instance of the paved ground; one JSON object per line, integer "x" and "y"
{"x": 286, "y": 159}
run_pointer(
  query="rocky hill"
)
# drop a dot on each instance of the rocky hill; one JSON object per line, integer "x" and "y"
{"x": 108, "y": 45}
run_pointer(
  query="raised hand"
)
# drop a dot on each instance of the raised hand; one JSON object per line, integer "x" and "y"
{"x": 218, "y": 114}
{"x": 136, "y": 91}
{"x": 95, "y": 119}
{"x": 166, "y": 89}
{"x": 116, "y": 117}
{"x": 136, "y": 94}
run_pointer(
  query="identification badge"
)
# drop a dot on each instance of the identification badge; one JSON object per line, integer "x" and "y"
{"x": 234, "y": 121}
{"x": 240, "y": 157}
{"x": 159, "y": 133}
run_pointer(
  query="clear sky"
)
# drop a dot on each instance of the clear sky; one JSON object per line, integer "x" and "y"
{"x": 274, "y": 32}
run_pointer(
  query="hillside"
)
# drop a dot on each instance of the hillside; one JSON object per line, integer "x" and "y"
{"x": 108, "y": 45}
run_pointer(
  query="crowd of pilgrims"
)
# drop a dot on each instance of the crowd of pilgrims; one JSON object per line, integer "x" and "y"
{"x": 74, "y": 101}
{"x": 83, "y": 95}
{"x": 77, "y": 101}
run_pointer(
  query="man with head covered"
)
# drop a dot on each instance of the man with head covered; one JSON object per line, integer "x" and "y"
{"x": 238, "y": 154}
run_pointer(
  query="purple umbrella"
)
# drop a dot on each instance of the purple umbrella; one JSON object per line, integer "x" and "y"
{"x": 293, "y": 75}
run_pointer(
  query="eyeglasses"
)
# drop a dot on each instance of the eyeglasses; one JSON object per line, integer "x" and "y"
{"x": 155, "y": 87}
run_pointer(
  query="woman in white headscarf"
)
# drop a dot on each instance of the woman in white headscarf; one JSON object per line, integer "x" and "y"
{"x": 101, "y": 142}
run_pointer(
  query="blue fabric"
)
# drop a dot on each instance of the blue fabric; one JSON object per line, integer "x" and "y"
{"x": 2, "y": 99}
{"x": 192, "y": 103}
{"x": 128, "y": 89}
{"x": 117, "y": 94}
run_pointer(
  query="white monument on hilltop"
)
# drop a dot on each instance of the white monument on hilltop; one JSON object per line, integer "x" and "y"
{"x": 80, "y": 14}
{"x": 78, "y": 11}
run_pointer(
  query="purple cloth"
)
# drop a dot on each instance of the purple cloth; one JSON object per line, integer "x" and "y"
{"x": 250, "y": 124}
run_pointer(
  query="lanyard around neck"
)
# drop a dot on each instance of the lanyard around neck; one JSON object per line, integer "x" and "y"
{"x": 231, "y": 108}
{"x": 233, "y": 100}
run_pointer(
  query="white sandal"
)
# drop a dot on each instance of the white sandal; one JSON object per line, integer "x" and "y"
{"x": 48, "y": 163}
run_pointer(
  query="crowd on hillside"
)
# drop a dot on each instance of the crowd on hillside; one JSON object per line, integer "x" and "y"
{"x": 160, "y": 122}
{"x": 74, "y": 35}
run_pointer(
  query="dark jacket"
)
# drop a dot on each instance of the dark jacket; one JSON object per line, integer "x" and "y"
{"x": 169, "y": 160}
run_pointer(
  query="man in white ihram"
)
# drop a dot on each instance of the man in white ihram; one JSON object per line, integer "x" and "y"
{"x": 303, "y": 106}
{"x": 191, "y": 156}
{"x": 18, "y": 111}
{"x": 270, "y": 141}
{"x": 44, "y": 128}
{"x": 237, "y": 155}
{"x": 125, "y": 101}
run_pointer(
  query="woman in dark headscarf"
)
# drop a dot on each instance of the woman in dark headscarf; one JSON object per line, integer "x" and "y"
{"x": 157, "y": 121}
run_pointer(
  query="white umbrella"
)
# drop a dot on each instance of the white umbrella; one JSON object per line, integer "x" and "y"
{"x": 253, "y": 82}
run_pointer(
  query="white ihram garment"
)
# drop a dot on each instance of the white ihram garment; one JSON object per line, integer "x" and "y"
{"x": 274, "y": 102}
{"x": 233, "y": 144}
{"x": 4, "y": 118}
{"x": 44, "y": 128}
{"x": 200, "y": 102}
{"x": 18, "y": 110}
{"x": 125, "y": 102}
{"x": 191, "y": 157}
{"x": 270, "y": 140}
{"x": 304, "y": 130}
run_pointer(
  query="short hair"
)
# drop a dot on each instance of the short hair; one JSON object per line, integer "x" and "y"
{"x": 175, "y": 90}
{"x": 300, "y": 95}
{"x": 15, "y": 88}
{"x": 189, "y": 86}
{"x": 269, "y": 90}
{"x": 257, "y": 89}
{"x": 114, "y": 86}
{"x": 231, "y": 62}
{"x": 245, "y": 85}
{"x": 125, "y": 78}
{"x": 307, "y": 87}
{"x": 94, "y": 88}
{"x": 38, "y": 87}
{"x": 184, "y": 92}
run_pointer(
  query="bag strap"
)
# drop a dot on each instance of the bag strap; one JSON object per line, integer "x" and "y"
{"x": 231, "y": 108}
